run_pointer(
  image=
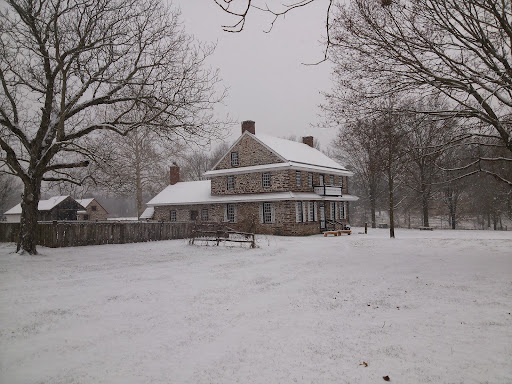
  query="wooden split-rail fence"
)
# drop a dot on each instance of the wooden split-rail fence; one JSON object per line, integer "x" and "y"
{"x": 213, "y": 232}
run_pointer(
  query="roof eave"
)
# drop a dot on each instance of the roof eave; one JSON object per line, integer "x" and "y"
{"x": 278, "y": 167}
{"x": 255, "y": 198}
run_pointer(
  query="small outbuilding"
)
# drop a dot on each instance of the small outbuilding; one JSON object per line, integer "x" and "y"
{"x": 54, "y": 208}
{"x": 94, "y": 211}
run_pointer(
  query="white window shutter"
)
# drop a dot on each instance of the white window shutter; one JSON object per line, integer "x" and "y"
{"x": 261, "y": 213}
{"x": 304, "y": 212}
{"x": 345, "y": 210}
{"x": 297, "y": 212}
{"x": 273, "y": 213}
{"x": 316, "y": 211}
{"x": 235, "y": 210}
{"x": 225, "y": 213}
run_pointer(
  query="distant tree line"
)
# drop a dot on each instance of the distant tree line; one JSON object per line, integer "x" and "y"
{"x": 407, "y": 163}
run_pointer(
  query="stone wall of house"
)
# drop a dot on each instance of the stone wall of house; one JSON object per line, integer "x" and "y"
{"x": 280, "y": 181}
{"x": 98, "y": 214}
{"x": 248, "y": 217}
{"x": 250, "y": 153}
{"x": 183, "y": 212}
{"x": 251, "y": 183}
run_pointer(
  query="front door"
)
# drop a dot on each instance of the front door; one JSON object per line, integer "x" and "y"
{"x": 321, "y": 208}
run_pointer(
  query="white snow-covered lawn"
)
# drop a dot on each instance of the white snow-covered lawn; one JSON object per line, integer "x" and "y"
{"x": 426, "y": 307}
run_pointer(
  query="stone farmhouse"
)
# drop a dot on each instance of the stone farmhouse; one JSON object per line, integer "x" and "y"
{"x": 93, "y": 210}
{"x": 263, "y": 184}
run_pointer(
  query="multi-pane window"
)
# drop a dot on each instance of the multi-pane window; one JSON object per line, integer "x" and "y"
{"x": 234, "y": 159}
{"x": 231, "y": 213}
{"x": 173, "y": 216}
{"x": 342, "y": 210}
{"x": 321, "y": 179}
{"x": 341, "y": 181}
{"x": 231, "y": 182}
{"x": 311, "y": 209}
{"x": 193, "y": 215}
{"x": 266, "y": 180}
{"x": 298, "y": 178}
{"x": 93, "y": 208}
{"x": 310, "y": 179}
{"x": 299, "y": 217}
{"x": 333, "y": 210}
{"x": 267, "y": 213}
{"x": 332, "y": 180}
{"x": 204, "y": 214}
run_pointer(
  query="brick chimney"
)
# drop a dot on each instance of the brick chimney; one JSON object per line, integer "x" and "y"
{"x": 174, "y": 174}
{"x": 249, "y": 125}
{"x": 308, "y": 140}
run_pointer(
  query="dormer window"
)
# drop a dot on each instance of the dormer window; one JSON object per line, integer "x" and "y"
{"x": 234, "y": 159}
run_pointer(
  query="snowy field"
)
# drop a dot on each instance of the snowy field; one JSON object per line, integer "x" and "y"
{"x": 427, "y": 307}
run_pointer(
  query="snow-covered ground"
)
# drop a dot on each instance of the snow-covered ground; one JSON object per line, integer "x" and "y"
{"x": 427, "y": 307}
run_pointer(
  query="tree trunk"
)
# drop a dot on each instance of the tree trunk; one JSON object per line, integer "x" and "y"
{"x": 140, "y": 202}
{"x": 372, "y": 209}
{"x": 27, "y": 241}
{"x": 391, "y": 205}
{"x": 138, "y": 178}
{"x": 424, "y": 205}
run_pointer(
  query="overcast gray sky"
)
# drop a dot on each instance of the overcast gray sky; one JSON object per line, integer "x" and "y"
{"x": 267, "y": 82}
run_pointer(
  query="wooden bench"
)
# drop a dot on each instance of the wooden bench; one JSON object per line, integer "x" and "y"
{"x": 426, "y": 229}
{"x": 337, "y": 233}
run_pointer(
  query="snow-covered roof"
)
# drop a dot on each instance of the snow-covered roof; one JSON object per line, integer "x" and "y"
{"x": 298, "y": 152}
{"x": 85, "y": 202}
{"x": 44, "y": 205}
{"x": 294, "y": 155}
{"x": 199, "y": 192}
{"x": 148, "y": 213}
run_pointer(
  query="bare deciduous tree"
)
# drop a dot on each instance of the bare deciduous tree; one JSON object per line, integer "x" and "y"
{"x": 426, "y": 141}
{"x": 8, "y": 189}
{"x": 197, "y": 162}
{"x": 72, "y": 69}
{"x": 459, "y": 49}
{"x": 358, "y": 146}
{"x": 135, "y": 165}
